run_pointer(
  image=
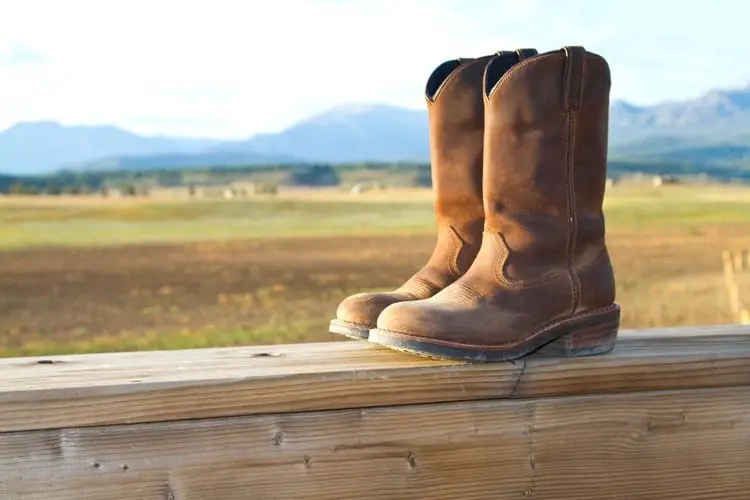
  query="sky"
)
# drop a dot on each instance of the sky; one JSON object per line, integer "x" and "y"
{"x": 234, "y": 68}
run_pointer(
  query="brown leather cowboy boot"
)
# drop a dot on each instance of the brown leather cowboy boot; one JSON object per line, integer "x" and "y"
{"x": 456, "y": 116}
{"x": 543, "y": 277}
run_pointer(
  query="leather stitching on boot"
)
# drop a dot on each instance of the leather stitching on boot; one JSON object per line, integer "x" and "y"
{"x": 415, "y": 285}
{"x": 502, "y": 253}
{"x": 458, "y": 245}
{"x": 453, "y": 76}
{"x": 512, "y": 72}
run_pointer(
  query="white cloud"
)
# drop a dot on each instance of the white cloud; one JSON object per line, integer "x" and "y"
{"x": 239, "y": 66}
{"x": 236, "y": 67}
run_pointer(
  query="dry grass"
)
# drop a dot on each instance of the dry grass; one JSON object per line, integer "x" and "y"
{"x": 113, "y": 292}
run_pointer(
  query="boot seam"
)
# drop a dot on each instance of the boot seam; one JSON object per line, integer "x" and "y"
{"x": 570, "y": 245}
{"x": 595, "y": 261}
{"x": 453, "y": 266}
{"x": 570, "y": 171}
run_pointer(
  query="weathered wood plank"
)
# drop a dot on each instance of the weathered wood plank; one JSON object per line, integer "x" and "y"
{"x": 103, "y": 389}
{"x": 691, "y": 445}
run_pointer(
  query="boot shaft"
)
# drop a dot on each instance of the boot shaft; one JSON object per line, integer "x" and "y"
{"x": 545, "y": 154}
{"x": 456, "y": 114}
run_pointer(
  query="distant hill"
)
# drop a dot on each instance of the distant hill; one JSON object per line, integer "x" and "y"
{"x": 355, "y": 133}
{"x": 708, "y": 132}
{"x": 171, "y": 161}
{"x": 704, "y": 153}
{"x": 343, "y": 134}
{"x": 712, "y": 130}
{"x": 349, "y": 133}
{"x": 718, "y": 115}
{"x": 38, "y": 147}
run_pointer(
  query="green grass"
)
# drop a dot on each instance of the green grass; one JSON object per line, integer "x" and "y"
{"x": 117, "y": 224}
{"x": 676, "y": 206}
{"x": 272, "y": 332}
{"x": 95, "y": 224}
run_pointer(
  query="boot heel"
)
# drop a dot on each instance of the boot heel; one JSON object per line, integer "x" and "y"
{"x": 590, "y": 340}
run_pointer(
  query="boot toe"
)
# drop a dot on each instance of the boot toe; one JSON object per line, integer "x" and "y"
{"x": 363, "y": 309}
{"x": 434, "y": 329}
{"x": 422, "y": 318}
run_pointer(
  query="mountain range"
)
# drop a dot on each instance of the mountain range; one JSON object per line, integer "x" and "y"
{"x": 710, "y": 130}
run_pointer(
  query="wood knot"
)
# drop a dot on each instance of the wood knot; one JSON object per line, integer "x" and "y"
{"x": 278, "y": 438}
{"x": 411, "y": 460}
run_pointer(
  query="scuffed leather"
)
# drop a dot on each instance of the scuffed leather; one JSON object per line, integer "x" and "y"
{"x": 456, "y": 115}
{"x": 543, "y": 257}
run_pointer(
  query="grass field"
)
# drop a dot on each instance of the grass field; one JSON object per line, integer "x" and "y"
{"x": 87, "y": 275}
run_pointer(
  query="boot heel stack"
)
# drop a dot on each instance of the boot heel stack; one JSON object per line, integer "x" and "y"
{"x": 592, "y": 339}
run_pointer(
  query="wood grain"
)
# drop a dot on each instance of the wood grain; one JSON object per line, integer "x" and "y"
{"x": 687, "y": 445}
{"x": 120, "y": 388}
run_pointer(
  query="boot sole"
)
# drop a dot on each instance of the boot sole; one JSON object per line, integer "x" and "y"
{"x": 590, "y": 334}
{"x": 349, "y": 329}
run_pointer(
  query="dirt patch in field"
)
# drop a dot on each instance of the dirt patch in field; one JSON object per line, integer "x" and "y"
{"x": 59, "y": 296}
{"x": 286, "y": 290}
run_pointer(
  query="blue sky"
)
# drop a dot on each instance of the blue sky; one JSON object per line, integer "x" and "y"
{"x": 232, "y": 68}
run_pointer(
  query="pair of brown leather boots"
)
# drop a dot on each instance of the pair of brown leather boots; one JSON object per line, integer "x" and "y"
{"x": 518, "y": 151}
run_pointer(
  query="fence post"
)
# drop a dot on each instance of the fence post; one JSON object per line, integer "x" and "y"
{"x": 739, "y": 260}
{"x": 728, "y": 266}
{"x": 736, "y": 262}
{"x": 734, "y": 297}
{"x": 745, "y": 317}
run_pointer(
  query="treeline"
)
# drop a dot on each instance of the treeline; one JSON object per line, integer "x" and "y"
{"x": 721, "y": 173}
{"x": 130, "y": 182}
{"x": 133, "y": 182}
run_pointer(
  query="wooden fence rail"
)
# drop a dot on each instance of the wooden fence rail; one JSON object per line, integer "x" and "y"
{"x": 664, "y": 416}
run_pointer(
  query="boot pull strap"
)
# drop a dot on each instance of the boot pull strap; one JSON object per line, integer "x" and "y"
{"x": 573, "y": 83}
{"x": 525, "y": 53}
